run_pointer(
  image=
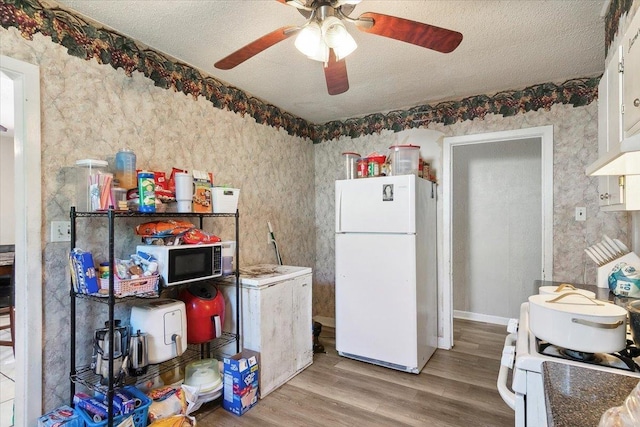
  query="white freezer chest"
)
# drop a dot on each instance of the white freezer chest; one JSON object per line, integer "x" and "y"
{"x": 276, "y": 318}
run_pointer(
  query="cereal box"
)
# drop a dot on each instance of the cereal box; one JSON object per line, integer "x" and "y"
{"x": 63, "y": 416}
{"x": 240, "y": 382}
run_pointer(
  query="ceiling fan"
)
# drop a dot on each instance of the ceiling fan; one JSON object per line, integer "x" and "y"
{"x": 324, "y": 37}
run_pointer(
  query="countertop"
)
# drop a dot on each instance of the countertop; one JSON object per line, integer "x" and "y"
{"x": 577, "y": 396}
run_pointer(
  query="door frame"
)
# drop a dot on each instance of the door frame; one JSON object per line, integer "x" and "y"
{"x": 28, "y": 239}
{"x": 545, "y": 133}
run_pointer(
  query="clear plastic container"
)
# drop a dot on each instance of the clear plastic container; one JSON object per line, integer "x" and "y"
{"x": 228, "y": 251}
{"x": 88, "y": 179}
{"x": 351, "y": 165}
{"x": 126, "y": 169}
{"x": 204, "y": 374}
{"x": 405, "y": 159}
{"x": 627, "y": 415}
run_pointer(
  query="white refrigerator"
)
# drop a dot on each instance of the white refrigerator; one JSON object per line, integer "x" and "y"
{"x": 386, "y": 278}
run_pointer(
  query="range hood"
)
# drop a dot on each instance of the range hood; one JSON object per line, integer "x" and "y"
{"x": 624, "y": 162}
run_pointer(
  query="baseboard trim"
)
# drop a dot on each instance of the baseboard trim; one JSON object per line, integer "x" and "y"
{"x": 478, "y": 317}
{"x": 329, "y": 322}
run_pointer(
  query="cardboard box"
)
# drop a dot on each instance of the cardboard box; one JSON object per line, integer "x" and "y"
{"x": 83, "y": 272}
{"x": 201, "y": 192}
{"x": 240, "y": 382}
{"x": 63, "y": 416}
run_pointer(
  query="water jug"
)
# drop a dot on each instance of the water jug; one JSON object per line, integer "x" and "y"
{"x": 126, "y": 169}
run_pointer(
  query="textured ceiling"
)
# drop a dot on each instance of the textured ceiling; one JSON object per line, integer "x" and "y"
{"x": 507, "y": 45}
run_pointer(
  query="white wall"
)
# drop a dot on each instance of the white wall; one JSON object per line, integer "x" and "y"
{"x": 7, "y": 217}
{"x": 497, "y": 231}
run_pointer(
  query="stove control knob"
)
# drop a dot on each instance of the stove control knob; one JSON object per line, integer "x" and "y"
{"x": 508, "y": 356}
{"x": 512, "y": 326}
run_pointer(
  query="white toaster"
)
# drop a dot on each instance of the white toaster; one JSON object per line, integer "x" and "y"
{"x": 165, "y": 323}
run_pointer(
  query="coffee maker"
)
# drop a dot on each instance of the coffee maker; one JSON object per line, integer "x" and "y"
{"x": 101, "y": 350}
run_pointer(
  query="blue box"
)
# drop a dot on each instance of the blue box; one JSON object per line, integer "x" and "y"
{"x": 62, "y": 416}
{"x": 83, "y": 272}
{"x": 240, "y": 382}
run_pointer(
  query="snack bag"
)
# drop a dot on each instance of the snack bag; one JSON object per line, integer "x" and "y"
{"x": 624, "y": 281}
{"x": 167, "y": 402}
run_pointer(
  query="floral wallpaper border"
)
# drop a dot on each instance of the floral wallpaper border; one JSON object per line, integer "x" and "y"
{"x": 617, "y": 8}
{"x": 88, "y": 40}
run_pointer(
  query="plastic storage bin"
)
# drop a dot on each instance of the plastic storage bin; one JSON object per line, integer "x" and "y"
{"x": 147, "y": 286}
{"x": 140, "y": 414}
{"x": 405, "y": 159}
{"x": 225, "y": 200}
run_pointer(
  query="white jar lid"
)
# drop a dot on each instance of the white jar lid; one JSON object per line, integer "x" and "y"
{"x": 90, "y": 163}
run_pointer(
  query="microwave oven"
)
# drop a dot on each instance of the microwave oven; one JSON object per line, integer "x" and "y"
{"x": 186, "y": 263}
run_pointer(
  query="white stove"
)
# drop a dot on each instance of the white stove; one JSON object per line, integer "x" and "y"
{"x": 524, "y": 354}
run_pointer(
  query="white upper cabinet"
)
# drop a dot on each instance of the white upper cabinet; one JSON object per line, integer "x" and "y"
{"x": 618, "y": 121}
{"x": 619, "y": 94}
{"x": 610, "y": 128}
{"x": 631, "y": 101}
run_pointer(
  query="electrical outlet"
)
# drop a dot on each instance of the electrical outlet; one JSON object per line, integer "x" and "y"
{"x": 581, "y": 213}
{"x": 60, "y": 231}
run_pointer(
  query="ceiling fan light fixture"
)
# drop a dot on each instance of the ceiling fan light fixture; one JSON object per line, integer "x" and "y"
{"x": 333, "y": 31}
{"x": 346, "y": 47}
{"x": 298, "y": 4}
{"x": 337, "y": 37}
{"x": 322, "y": 54}
{"x": 309, "y": 40}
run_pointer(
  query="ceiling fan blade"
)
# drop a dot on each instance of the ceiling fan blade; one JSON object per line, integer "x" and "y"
{"x": 429, "y": 36}
{"x": 335, "y": 73}
{"x": 255, "y": 47}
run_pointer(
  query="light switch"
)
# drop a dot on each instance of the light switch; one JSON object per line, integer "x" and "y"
{"x": 60, "y": 231}
{"x": 581, "y": 213}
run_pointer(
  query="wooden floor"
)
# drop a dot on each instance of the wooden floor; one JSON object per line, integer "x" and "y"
{"x": 456, "y": 388}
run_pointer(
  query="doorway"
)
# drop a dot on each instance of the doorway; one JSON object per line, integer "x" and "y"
{"x": 25, "y": 78}
{"x": 498, "y": 219}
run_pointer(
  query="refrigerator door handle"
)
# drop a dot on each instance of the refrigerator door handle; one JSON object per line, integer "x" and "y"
{"x": 339, "y": 213}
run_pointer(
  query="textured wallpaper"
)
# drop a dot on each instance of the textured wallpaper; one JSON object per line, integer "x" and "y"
{"x": 91, "y": 111}
{"x": 575, "y": 147}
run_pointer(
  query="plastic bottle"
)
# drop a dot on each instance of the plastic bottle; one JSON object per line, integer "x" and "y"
{"x": 126, "y": 169}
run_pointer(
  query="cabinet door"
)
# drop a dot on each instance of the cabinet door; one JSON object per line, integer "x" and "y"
{"x": 302, "y": 322}
{"x": 609, "y": 127}
{"x": 631, "y": 46}
{"x": 614, "y": 102}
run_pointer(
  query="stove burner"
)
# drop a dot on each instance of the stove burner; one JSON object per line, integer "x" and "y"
{"x": 580, "y": 356}
{"x": 627, "y": 358}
